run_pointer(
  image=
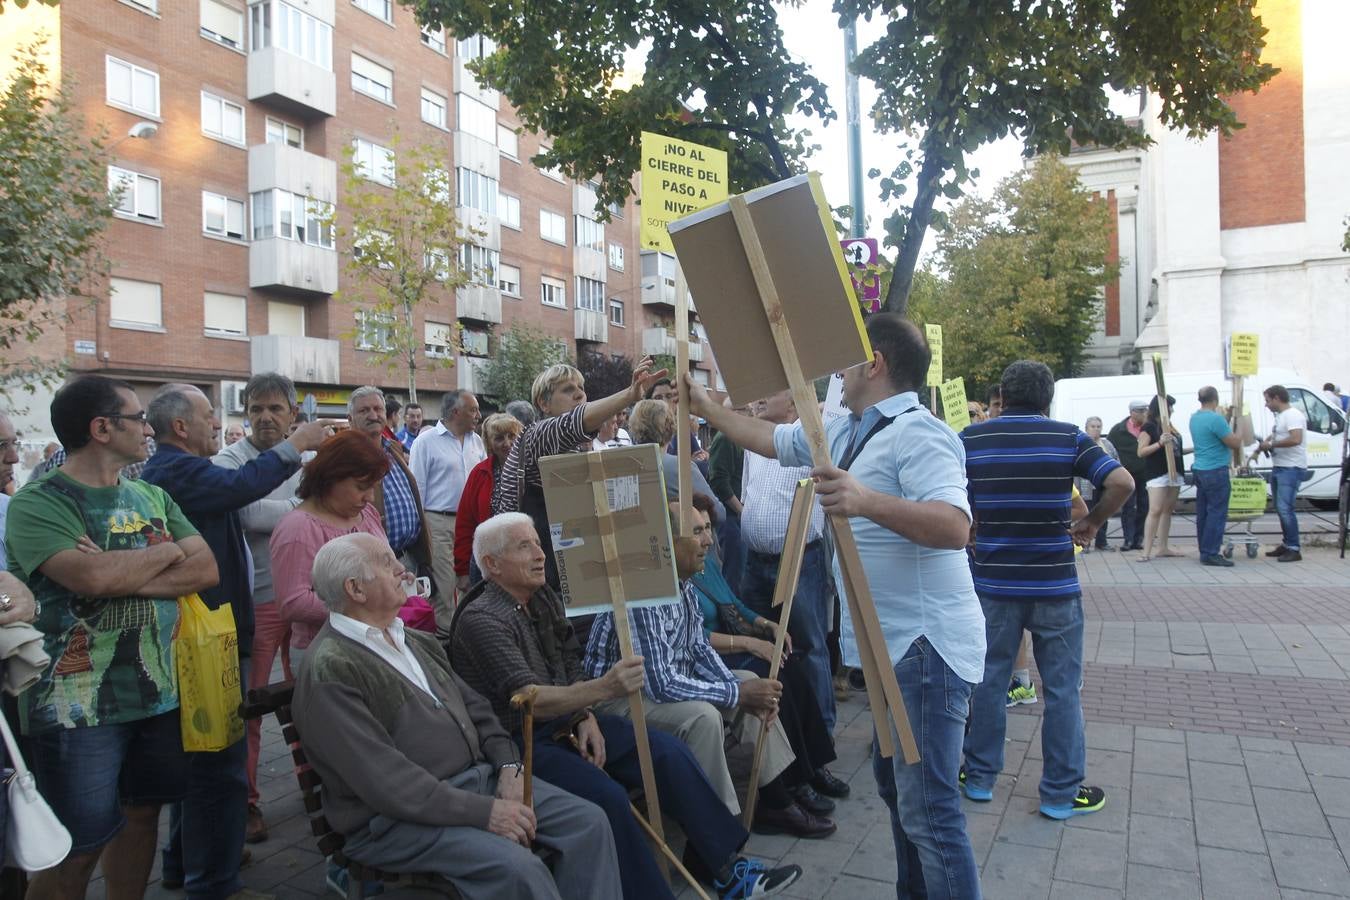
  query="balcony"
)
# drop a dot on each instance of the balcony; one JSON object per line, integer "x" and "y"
{"x": 470, "y": 372}
{"x": 291, "y": 169}
{"x": 292, "y": 84}
{"x": 591, "y": 325}
{"x": 292, "y": 266}
{"x": 467, "y": 83}
{"x": 304, "y": 359}
{"x": 479, "y": 303}
{"x": 658, "y": 341}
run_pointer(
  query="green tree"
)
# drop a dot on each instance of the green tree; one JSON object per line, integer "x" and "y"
{"x": 23, "y": 3}
{"x": 1021, "y": 276}
{"x": 54, "y": 213}
{"x": 605, "y": 374}
{"x": 520, "y": 355}
{"x": 402, "y": 243}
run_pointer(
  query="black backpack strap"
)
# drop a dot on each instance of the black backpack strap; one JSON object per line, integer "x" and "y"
{"x": 880, "y": 425}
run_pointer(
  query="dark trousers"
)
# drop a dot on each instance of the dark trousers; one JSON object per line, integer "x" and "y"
{"x": 1100, "y": 542}
{"x": 686, "y": 796}
{"x": 1133, "y": 514}
{"x": 800, "y": 715}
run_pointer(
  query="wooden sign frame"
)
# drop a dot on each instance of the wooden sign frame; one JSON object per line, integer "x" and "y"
{"x": 1164, "y": 416}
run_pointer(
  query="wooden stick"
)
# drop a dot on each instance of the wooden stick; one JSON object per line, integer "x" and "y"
{"x": 668, "y": 853}
{"x": 1237, "y": 417}
{"x": 682, "y": 447}
{"x": 526, "y": 699}
{"x": 872, "y": 648}
{"x": 1164, "y": 417}
{"x": 623, "y": 630}
{"x": 932, "y": 400}
{"x": 789, "y": 568}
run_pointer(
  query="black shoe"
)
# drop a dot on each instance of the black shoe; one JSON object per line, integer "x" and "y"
{"x": 812, "y": 802}
{"x": 1277, "y": 552}
{"x": 825, "y": 782}
{"x": 746, "y": 878}
{"x": 794, "y": 821}
{"x": 1217, "y": 561}
{"x": 1290, "y": 556}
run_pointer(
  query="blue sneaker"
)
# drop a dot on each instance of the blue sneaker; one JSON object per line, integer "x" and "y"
{"x": 1089, "y": 800}
{"x": 749, "y": 878}
{"x": 978, "y": 794}
{"x": 338, "y": 880}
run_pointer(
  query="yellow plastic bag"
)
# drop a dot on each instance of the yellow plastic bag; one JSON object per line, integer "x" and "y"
{"x": 206, "y": 654}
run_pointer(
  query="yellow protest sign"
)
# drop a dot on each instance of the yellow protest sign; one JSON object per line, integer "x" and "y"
{"x": 934, "y": 334}
{"x": 1247, "y": 497}
{"x": 954, "y": 407}
{"x": 1242, "y": 353}
{"x": 678, "y": 178}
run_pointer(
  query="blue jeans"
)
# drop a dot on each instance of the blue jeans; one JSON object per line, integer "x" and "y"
{"x": 1286, "y": 480}
{"x": 809, "y": 624}
{"x": 1212, "y": 488}
{"x": 1056, "y": 628}
{"x": 933, "y": 856}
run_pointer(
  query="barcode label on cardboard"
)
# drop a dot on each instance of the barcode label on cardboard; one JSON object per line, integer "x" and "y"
{"x": 622, "y": 493}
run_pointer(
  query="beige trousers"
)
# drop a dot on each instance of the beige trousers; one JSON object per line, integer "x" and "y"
{"x": 443, "y": 567}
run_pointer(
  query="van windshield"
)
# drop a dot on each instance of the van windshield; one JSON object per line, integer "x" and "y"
{"x": 1321, "y": 418}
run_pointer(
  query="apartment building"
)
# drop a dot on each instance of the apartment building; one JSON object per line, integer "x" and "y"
{"x": 233, "y": 119}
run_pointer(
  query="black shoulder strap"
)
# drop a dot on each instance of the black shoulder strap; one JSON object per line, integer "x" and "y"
{"x": 880, "y": 425}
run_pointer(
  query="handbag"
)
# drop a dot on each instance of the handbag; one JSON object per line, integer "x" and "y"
{"x": 206, "y": 657}
{"x": 35, "y": 839}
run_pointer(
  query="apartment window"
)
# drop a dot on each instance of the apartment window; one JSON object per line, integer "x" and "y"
{"x": 380, "y": 9}
{"x": 552, "y": 227}
{"x": 286, "y": 319}
{"x": 477, "y": 191}
{"x": 137, "y": 195}
{"x": 374, "y": 162}
{"x": 437, "y": 339}
{"x": 508, "y": 280}
{"x": 479, "y": 264}
{"x": 590, "y": 294}
{"x": 616, "y": 257}
{"x": 222, "y": 216}
{"x": 616, "y": 210}
{"x": 553, "y": 292}
{"x": 222, "y": 119}
{"x": 292, "y": 217}
{"x": 477, "y": 118}
{"x": 279, "y": 132}
{"x": 378, "y": 243}
{"x": 436, "y": 185}
{"x": 700, "y": 376}
{"x": 135, "y": 304}
{"x": 508, "y": 141}
{"x": 133, "y": 88}
{"x": 659, "y": 265}
{"x": 508, "y": 208}
{"x": 226, "y": 315}
{"x": 552, "y": 171}
{"x": 222, "y": 23}
{"x": 372, "y": 79}
{"x": 274, "y": 23}
{"x": 473, "y": 342}
{"x": 590, "y": 234}
{"x": 147, "y": 5}
{"x": 437, "y": 261}
{"x": 374, "y": 331}
{"x": 433, "y": 108}
{"x": 475, "y": 47}
{"x": 434, "y": 38}
{"x": 616, "y": 312}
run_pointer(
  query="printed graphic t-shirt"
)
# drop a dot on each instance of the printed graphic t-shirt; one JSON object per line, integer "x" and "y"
{"x": 111, "y": 657}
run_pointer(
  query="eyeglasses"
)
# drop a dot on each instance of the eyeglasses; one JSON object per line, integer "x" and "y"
{"x": 135, "y": 417}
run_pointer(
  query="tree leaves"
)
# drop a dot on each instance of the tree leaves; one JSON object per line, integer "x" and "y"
{"x": 520, "y": 355}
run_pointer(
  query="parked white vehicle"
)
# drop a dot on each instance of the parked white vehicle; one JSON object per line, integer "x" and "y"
{"x": 1109, "y": 398}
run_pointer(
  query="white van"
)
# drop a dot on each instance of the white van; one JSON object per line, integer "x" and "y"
{"x": 1109, "y": 398}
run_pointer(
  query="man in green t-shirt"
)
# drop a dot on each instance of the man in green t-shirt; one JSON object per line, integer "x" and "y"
{"x": 1214, "y": 440}
{"x": 106, "y": 558}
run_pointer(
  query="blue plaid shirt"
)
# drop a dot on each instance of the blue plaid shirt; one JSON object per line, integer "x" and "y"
{"x": 402, "y": 521}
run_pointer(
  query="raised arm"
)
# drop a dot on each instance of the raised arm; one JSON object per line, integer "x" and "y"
{"x": 597, "y": 411}
{"x": 750, "y": 434}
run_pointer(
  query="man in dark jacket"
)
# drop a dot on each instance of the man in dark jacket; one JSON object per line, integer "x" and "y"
{"x": 1125, "y": 437}
{"x": 213, "y": 814}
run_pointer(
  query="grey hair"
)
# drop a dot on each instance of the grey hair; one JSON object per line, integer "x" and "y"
{"x": 450, "y": 401}
{"x": 172, "y": 401}
{"x": 1208, "y": 394}
{"x": 651, "y": 422}
{"x": 522, "y": 411}
{"x": 1029, "y": 384}
{"x": 341, "y": 558}
{"x": 269, "y": 383}
{"x": 1091, "y": 419}
{"x": 363, "y": 391}
{"x": 490, "y": 538}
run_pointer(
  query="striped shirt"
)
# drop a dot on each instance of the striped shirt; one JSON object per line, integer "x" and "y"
{"x": 767, "y": 489}
{"x": 1020, "y": 468}
{"x": 546, "y": 437}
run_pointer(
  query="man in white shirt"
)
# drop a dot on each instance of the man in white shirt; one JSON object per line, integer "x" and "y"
{"x": 1288, "y": 449}
{"x": 441, "y": 461}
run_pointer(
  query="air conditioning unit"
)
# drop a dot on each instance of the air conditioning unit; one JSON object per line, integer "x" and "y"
{"x": 232, "y": 397}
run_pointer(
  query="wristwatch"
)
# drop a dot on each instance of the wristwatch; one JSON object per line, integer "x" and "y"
{"x": 511, "y": 765}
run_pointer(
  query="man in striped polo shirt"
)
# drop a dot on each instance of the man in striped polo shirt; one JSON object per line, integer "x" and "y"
{"x": 1021, "y": 468}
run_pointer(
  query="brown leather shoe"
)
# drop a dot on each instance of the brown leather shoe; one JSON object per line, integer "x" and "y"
{"x": 794, "y": 821}
{"x": 256, "y": 832}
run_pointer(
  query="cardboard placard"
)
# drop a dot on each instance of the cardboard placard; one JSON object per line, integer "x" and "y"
{"x": 934, "y": 335}
{"x": 794, "y": 224}
{"x": 1242, "y": 354}
{"x": 955, "y": 410}
{"x": 635, "y": 490}
{"x": 678, "y": 178}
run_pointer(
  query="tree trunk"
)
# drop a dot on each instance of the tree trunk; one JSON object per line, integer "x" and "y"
{"x": 902, "y": 279}
{"x": 413, "y": 345}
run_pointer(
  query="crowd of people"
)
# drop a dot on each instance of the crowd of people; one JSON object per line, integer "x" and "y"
{"x": 405, "y": 577}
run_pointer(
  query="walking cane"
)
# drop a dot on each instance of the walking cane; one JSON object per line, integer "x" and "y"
{"x": 526, "y": 699}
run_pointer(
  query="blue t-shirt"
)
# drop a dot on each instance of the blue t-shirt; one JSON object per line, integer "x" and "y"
{"x": 1208, "y": 429}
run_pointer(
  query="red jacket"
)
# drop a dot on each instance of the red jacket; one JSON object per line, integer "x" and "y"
{"x": 475, "y": 507}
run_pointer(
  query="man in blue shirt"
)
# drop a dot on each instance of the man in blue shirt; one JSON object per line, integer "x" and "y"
{"x": 1022, "y": 467}
{"x": 899, "y": 475}
{"x": 1213, "y": 440}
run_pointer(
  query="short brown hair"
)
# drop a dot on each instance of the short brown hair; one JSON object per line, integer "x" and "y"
{"x": 348, "y": 454}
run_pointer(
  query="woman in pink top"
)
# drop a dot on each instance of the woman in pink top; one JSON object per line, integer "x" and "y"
{"x": 337, "y": 489}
